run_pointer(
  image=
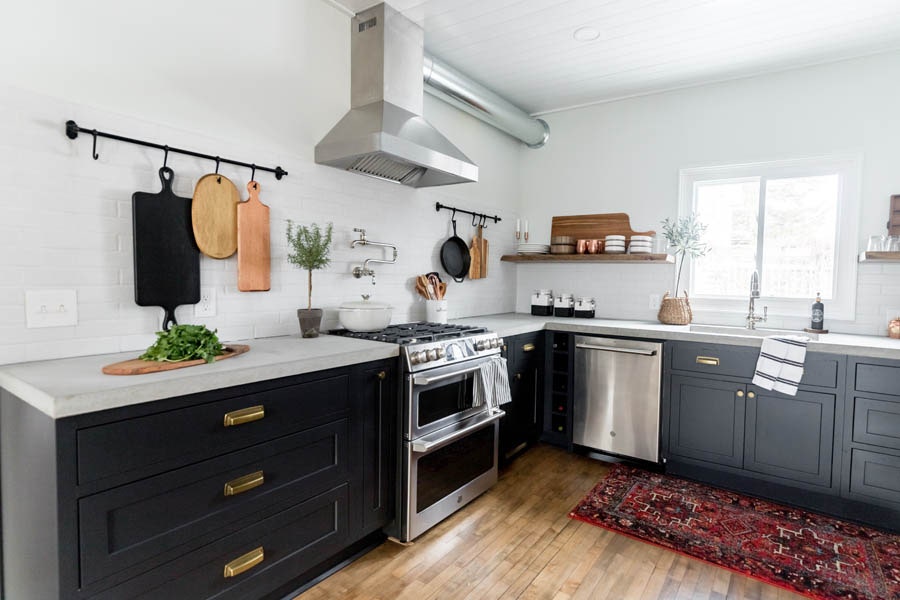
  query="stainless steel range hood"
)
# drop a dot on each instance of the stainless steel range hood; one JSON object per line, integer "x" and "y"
{"x": 384, "y": 134}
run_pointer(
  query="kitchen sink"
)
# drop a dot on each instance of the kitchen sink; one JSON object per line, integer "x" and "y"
{"x": 743, "y": 331}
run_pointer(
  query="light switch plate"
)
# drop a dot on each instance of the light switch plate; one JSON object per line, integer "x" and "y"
{"x": 50, "y": 308}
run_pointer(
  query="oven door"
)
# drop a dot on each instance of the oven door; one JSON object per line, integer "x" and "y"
{"x": 441, "y": 397}
{"x": 446, "y": 470}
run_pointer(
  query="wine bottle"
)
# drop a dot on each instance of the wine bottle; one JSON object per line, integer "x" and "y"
{"x": 818, "y": 313}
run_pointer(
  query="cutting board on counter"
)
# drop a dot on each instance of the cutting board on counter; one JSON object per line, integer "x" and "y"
{"x": 594, "y": 227}
{"x": 253, "y": 248}
{"x": 136, "y": 366}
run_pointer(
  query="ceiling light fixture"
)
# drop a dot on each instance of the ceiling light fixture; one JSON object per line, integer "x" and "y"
{"x": 586, "y": 34}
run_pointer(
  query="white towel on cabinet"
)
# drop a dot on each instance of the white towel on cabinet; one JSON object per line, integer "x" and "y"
{"x": 780, "y": 363}
{"x": 492, "y": 383}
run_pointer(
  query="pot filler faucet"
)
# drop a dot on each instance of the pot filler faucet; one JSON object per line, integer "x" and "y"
{"x": 752, "y": 317}
{"x": 364, "y": 270}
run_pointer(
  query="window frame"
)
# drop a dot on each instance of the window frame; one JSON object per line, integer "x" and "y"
{"x": 842, "y": 306}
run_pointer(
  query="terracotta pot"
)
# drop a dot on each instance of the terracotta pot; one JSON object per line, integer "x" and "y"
{"x": 310, "y": 321}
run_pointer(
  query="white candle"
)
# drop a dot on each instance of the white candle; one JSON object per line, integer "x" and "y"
{"x": 518, "y": 225}
{"x": 526, "y": 225}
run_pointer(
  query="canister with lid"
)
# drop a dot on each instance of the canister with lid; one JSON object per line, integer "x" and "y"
{"x": 564, "y": 305}
{"x": 542, "y": 303}
{"x": 584, "y": 308}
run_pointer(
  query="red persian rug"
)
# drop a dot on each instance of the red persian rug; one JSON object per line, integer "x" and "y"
{"x": 814, "y": 555}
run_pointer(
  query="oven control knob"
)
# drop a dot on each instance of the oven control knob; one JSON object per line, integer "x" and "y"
{"x": 481, "y": 345}
{"x": 500, "y": 342}
{"x": 431, "y": 354}
{"x": 441, "y": 353}
{"x": 495, "y": 343}
{"x": 416, "y": 357}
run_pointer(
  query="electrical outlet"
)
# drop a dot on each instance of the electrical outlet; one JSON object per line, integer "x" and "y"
{"x": 50, "y": 308}
{"x": 655, "y": 301}
{"x": 207, "y": 305}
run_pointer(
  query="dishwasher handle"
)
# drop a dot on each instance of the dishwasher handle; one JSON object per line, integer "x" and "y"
{"x": 617, "y": 349}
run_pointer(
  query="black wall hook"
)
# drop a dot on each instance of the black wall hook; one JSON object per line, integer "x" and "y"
{"x": 94, "y": 151}
{"x": 484, "y": 218}
{"x": 166, "y": 157}
{"x": 219, "y": 178}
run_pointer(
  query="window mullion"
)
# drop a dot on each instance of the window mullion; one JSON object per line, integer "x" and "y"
{"x": 761, "y": 229}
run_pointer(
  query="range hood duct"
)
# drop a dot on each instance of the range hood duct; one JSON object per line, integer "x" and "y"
{"x": 455, "y": 88}
{"x": 384, "y": 135}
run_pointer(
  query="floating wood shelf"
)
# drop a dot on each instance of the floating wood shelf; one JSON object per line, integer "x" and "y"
{"x": 879, "y": 256}
{"x": 587, "y": 258}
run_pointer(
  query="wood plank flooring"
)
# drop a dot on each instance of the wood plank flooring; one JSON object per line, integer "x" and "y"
{"x": 516, "y": 541}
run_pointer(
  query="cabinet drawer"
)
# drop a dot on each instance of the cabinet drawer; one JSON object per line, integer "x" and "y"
{"x": 880, "y": 379}
{"x": 130, "y": 524}
{"x": 182, "y": 436}
{"x": 715, "y": 359}
{"x": 876, "y": 422}
{"x": 875, "y": 477}
{"x": 292, "y": 541}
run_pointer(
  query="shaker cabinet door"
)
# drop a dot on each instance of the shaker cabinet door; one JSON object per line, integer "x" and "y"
{"x": 707, "y": 420}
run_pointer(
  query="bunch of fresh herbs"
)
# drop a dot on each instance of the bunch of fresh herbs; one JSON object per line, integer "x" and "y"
{"x": 685, "y": 236}
{"x": 184, "y": 342}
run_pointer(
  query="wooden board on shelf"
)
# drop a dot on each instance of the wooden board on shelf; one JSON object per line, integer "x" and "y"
{"x": 894, "y": 221}
{"x": 594, "y": 227}
{"x": 880, "y": 256}
{"x": 588, "y": 258}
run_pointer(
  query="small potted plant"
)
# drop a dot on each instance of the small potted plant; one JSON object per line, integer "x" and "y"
{"x": 308, "y": 249}
{"x": 684, "y": 235}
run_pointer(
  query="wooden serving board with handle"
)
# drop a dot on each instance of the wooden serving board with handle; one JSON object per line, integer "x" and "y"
{"x": 254, "y": 253}
{"x": 214, "y": 215}
{"x": 475, "y": 256}
{"x": 594, "y": 227}
{"x": 137, "y": 366}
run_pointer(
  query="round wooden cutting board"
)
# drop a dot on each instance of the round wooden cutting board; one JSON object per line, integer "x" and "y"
{"x": 214, "y": 216}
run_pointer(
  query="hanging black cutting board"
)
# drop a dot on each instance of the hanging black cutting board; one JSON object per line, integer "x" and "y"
{"x": 166, "y": 259}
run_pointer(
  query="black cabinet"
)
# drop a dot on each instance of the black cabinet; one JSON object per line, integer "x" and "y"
{"x": 522, "y": 424}
{"x": 272, "y": 482}
{"x": 707, "y": 420}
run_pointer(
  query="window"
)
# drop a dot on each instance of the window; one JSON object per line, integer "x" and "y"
{"x": 795, "y": 222}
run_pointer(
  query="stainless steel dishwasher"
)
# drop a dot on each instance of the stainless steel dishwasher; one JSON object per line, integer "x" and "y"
{"x": 617, "y": 390}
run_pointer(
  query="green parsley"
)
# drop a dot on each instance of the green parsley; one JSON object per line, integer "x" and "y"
{"x": 184, "y": 342}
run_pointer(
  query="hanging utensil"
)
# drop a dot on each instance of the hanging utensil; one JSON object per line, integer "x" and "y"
{"x": 455, "y": 256}
{"x": 254, "y": 258}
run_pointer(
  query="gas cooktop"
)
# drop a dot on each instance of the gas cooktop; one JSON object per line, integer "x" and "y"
{"x": 413, "y": 333}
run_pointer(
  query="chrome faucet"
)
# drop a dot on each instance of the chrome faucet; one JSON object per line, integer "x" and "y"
{"x": 752, "y": 317}
{"x": 365, "y": 270}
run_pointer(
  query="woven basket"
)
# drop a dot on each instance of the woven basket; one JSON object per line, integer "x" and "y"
{"x": 675, "y": 311}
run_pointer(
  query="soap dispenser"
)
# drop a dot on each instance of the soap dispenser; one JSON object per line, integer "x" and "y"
{"x": 818, "y": 314}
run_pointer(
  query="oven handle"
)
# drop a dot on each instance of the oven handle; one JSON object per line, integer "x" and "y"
{"x": 422, "y": 447}
{"x": 425, "y": 380}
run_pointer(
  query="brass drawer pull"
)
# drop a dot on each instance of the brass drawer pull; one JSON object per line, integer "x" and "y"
{"x": 245, "y": 415}
{"x": 244, "y": 484}
{"x": 528, "y": 348}
{"x": 708, "y": 360}
{"x": 740, "y": 393}
{"x": 244, "y": 563}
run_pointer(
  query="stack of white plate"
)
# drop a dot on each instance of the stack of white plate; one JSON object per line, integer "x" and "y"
{"x": 533, "y": 249}
{"x": 614, "y": 244}
{"x": 640, "y": 244}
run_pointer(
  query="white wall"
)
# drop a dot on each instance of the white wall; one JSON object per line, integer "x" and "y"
{"x": 625, "y": 157}
{"x": 256, "y": 82}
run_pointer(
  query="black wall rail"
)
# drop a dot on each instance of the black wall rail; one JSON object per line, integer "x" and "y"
{"x": 72, "y": 131}
{"x": 477, "y": 218}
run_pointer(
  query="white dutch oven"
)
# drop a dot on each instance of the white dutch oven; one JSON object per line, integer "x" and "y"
{"x": 365, "y": 315}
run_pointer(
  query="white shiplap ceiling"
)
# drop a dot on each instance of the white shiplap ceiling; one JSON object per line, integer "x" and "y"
{"x": 525, "y": 51}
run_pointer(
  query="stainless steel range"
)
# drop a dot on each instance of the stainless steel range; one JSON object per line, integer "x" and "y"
{"x": 449, "y": 445}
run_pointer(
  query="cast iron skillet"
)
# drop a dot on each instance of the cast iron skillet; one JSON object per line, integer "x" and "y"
{"x": 455, "y": 256}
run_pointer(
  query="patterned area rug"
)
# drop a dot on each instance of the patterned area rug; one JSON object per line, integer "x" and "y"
{"x": 814, "y": 555}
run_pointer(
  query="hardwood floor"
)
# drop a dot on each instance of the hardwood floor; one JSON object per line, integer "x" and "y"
{"x": 516, "y": 541}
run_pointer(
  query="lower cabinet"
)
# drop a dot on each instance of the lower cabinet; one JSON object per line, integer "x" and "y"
{"x": 522, "y": 424}
{"x": 303, "y": 472}
{"x": 707, "y": 420}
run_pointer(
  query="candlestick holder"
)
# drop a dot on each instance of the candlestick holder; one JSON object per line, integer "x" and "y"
{"x": 526, "y": 236}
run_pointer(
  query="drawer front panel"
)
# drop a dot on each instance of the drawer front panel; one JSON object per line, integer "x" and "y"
{"x": 879, "y": 379}
{"x": 875, "y": 477}
{"x": 715, "y": 359}
{"x": 876, "y": 422}
{"x": 292, "y": 541}
{"x": 129, "y": 524}
{"x": 190, "y": 434}
{"x": 527, "y": 350}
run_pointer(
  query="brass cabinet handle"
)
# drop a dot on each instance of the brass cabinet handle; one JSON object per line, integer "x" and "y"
{"x": 244, "y": 484}
{"x": 751, "y": 394}
{"x": 740, "y": 393}
{"x": 518, "y": 376}
{"x": 381, "y": 375}
{"x": 528, "y": 348}
{"x": 244, "y": 562}
{"x": 245, "y": 415}
{"x": 708, "y": 360}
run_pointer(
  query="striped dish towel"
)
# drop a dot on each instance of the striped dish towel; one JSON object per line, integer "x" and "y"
{"x": 780, "y": 363}
{"x": 492, "y": 383}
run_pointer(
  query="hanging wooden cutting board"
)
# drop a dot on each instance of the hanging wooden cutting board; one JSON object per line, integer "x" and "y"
{"x": 484, "y": 252}
{"x": 136, "y": 366}
{"x": 475, "y": 256}
{"x": 254, "y": 254}
{"x": 214, "y": 216}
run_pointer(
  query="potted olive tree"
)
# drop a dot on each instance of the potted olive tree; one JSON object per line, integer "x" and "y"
{"x": 684, "y": 235}
{"x": 308, "y": 249}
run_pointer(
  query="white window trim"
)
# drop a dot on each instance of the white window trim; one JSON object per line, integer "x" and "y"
{"x": 843, "y": 304}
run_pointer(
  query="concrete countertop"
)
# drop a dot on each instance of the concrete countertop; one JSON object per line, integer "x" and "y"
{"x": 73, "y": 386}
{"x": 835, "y": 343}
